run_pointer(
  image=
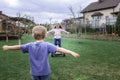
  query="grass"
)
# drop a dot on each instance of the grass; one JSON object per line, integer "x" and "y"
{"x": 99, "y": 60}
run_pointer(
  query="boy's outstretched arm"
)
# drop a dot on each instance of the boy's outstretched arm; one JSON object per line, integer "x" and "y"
{"x": 63, "y": 50}
{"x": 15, "y": 47}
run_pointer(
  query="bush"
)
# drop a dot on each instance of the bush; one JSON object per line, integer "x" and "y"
{"x": 118, "y": 24}
{"x": 110, "y": 29}
{"x": 2, "y": 33}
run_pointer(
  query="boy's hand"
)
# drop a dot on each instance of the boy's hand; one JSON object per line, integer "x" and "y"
{"x": 5, "y": 47}
{"x": 75, "y": 55}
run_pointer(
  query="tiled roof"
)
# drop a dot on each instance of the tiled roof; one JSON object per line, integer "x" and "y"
{"x": 104, "y": 4}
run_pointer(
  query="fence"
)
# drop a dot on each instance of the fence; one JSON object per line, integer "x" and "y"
{"x": 98, "y": 26}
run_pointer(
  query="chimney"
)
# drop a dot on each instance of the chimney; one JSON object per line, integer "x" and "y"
{"x": 101, "y": 1}
{"x": 0, "y": 12}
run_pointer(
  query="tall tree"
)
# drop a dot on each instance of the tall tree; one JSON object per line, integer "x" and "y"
{"x": 118, "y": 24}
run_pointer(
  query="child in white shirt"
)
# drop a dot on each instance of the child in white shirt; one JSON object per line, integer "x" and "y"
{"x": 57, "y": 34}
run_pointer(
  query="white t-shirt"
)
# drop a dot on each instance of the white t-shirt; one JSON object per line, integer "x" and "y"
{"x": 57, "y": 32}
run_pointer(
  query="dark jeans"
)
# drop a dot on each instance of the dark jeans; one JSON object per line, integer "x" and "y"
{"x": 57, "y": 42}
{"x": 46, "y": 77}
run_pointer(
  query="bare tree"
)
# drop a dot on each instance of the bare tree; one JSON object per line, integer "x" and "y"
{"x": 78, "y": 27}
{"x": 71, "y": 10}
{"x": 73, "y": 19}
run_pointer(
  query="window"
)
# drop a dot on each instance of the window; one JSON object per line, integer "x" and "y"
{"x": 96, "y": 20}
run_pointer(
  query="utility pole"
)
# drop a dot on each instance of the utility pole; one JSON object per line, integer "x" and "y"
{"x": 6, "y": 31}
{"x": 50, "y": 19}
{"x": 19, "y": 34}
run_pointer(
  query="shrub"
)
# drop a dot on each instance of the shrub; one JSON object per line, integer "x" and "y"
{"x": 118, "y": 24}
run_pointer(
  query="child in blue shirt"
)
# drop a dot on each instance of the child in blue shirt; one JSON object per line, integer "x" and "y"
{"x": 38, "y": 53}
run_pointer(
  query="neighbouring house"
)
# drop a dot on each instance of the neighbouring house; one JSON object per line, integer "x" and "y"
{"x": 3, "y": 17}
{"x": 14, "y": 26}
{"x": 79, "y": 20}
{"x": 68, "y": 23}
{"x": 13, "y": 22}
{"x": 7, "y": 23}
{"x": 102, "y": 11}
{"x": 73, "y": 25}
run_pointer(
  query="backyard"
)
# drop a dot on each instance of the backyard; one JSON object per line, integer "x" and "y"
{"x": 99, "y": 60}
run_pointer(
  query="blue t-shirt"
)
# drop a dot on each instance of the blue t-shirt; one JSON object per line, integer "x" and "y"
{"x": 38, "y": 55}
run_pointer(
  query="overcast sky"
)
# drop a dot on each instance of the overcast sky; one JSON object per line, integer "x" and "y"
{"x": 43, "y": 10}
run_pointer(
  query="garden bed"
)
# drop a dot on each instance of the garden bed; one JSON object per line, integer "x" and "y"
{"x": 11, "y": 37}
{"x": 101, "y": 37}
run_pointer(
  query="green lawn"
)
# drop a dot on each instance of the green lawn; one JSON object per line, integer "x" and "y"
{"x": 99, "y": 60}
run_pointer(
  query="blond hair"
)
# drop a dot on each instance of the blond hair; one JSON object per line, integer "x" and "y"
{"x": 39, "y": 32}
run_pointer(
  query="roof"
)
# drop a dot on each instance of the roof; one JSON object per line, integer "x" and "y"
{"x": 21, "y": 19}
{"x": 97, "y": 14}
{"x": 104, "y": 4}
{"x": 3, "y": 15}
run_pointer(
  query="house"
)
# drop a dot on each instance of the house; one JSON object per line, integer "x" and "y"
{"x": 68, "y": 23}
{"x": 14, "y": 27}
{"x": 13, "y": 24}
{"x": 102, "y": 11}
{"x": 3, "y": 17}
